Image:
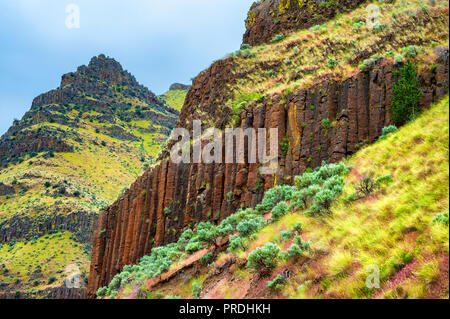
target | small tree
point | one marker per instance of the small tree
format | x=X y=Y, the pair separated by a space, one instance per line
x=406 y=95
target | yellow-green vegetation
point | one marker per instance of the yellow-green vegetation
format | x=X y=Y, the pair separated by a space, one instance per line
x=107 y=145
x=98 y=169
x=174 y=98
x=382 y=234
x=392 y=229
x=343 y=45
x=44 y=262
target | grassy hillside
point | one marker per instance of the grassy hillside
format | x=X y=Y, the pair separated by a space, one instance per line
x=110 y=129
x=323 y=237
x=174 y=98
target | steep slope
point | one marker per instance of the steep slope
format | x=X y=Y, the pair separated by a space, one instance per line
x=327 y=90
x=269 y=18
x=400 y=230
x=70 y=155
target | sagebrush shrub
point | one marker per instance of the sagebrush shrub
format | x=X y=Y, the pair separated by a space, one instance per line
x=247 y=227
x=279 y=211
x=387 y=130
x=294 y=251
x=207 y=233
x=441 y=218
x=263 y=259
x=277 y=283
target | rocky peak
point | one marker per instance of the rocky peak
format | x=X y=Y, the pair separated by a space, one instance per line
x=100 y=68
x=179 y=86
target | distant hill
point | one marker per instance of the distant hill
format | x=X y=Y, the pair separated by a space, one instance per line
x=70 y=155
x=176 y=95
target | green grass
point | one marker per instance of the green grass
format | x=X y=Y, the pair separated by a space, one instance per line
x=98 y=169
x=310 y=51
x=28 y=266
x=174 y=98
x=393 y=228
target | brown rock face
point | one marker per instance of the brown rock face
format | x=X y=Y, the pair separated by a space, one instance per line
x=268 y=18
x=170 y=197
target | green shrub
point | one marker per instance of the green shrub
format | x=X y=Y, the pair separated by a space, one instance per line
x=297 y=201
x=277 y=283
x=441 y=218
x=335 y=184
x=247 y=227
x=294 y=252
x=101 y=292
x=278 y=38
x=332 y=63
x=378 y=27
x=398 y=59
x=193 y=246
x=184 y=238
x=350 y=198
x=365 y=186
x=304 y=245
x=298 y=228
x=386 y=179
x=263 y=259
x=207 y=233
x=285 y=235
x=206 y=258
x=275 y=195
x=387 y=130
x=411 y=51
x=322 y=202
x=279 y=211
x=196 y=289
x=284 y=145
x=236 y=243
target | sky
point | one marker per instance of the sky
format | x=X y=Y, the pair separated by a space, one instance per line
x=158 y=41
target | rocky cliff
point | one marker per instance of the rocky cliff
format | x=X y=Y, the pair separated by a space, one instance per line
x=267 y=18
x=327 y=91
x=357 y=108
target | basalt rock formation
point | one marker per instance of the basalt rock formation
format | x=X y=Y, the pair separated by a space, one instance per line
x=50 y=293
x=169 y=198
x=267 y=18
x=80 y=224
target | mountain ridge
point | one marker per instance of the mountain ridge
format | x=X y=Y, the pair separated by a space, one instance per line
x=69 y=155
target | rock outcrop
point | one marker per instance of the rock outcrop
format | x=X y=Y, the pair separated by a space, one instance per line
x=179 y=86
x=80 y=224
x=169 y=198
x=49 y=293
x=267 y=18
